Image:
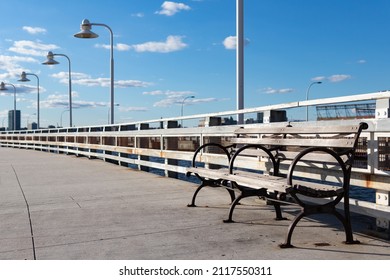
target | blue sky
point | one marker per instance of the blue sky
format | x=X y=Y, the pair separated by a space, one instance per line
x=167 y=50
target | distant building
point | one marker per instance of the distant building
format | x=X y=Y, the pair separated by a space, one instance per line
x=32 y=126
x=11 y=120
x=228 y=121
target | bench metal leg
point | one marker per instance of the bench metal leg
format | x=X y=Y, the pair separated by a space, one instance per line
x=210 y=183
x=278 y=211
x=291 y=228
x=231 y=209
x=347 y=228
x=248 y=193
x=195 y=194
x=329 y=208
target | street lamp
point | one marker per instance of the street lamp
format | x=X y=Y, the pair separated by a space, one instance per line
x=23 y=78
x=86 y=33
x=50 y=61
x=307 y=98
x=182 y=103
x=2 y=87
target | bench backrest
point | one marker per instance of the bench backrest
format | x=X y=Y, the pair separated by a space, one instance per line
x=305 y=136
x=287 y=142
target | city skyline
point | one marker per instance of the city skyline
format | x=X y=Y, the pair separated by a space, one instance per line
x=165 y=51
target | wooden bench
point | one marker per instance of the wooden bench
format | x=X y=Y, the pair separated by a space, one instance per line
x=316 y=160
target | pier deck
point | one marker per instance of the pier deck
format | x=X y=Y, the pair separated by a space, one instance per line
x=89 y=209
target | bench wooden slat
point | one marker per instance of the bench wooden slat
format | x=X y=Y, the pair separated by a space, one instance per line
x=313 y=157
x=213 y=174
x=290 y=155
x=320 y=142
x=344 y=129
x=259 y=181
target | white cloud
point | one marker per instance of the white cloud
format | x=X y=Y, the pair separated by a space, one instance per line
x=155 y=92
x=87 y=80
x=270 y=90
x=11 y=64
x=32 y=48
x=139 y=15
x=64 y=76
x=34 y=30
x=118 y=47
x=62 y=101
x=169 y=8
x=318 y=79
x=172 y=44
x=339 y=78
x=169 y=93
x=333 y=78
x=172 y=97
x=133 y=109
x=102 y=82
x=230 y=42
x=177 y=97
x=361 y=61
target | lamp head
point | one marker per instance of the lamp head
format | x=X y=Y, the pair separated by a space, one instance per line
x=23 y=77
x=85 y=32
x=50 y=59
x=2 y=86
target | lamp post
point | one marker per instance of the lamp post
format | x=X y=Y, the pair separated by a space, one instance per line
x=307 y=98
x=2 y=87
x=50 y=61
x=86 y=33
x=23 y=78
x=182 y=103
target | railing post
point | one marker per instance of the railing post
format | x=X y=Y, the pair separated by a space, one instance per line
x=120 y=142
x=382 y=198
x=212 y=121
x=143 y=143
x=382 y=110
x=274 y=116
x=171 y=143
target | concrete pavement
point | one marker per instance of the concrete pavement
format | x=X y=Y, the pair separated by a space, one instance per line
x=60 y=207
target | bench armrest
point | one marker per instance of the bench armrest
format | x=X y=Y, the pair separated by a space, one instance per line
x=275 y=164
x=223 y=148
x=304 y=189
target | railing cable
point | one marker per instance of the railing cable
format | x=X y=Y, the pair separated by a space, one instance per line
x=28 y=212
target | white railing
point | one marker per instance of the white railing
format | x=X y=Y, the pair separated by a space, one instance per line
x=154 y=145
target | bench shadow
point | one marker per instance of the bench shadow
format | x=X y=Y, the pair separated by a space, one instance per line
x=367 y=252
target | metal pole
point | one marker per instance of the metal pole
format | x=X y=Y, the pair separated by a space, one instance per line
x=307 y=98
x=38 y=116
x=87 y=33
x=182 y=103
x=111 y=68
x=70 y=87
x=14 y=106
x=240 y=58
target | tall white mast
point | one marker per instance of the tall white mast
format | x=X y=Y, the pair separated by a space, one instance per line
x=240 y=58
